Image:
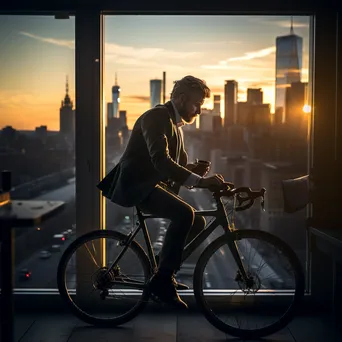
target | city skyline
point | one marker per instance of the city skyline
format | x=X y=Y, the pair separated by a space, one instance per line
x=38 y=53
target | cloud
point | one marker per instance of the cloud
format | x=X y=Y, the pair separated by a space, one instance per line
x=18 y=99
x=216 y=42
x=251 y=55
x=237 y=67
x=297 y=23
x=136 y=98
x=252 y=61
x=60 y=42
x=285 y=23
x=127 y=55
x=262 y=83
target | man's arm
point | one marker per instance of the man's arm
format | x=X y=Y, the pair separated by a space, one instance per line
x=157 y=130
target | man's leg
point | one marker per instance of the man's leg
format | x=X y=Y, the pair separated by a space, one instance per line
x=164 y=204
x=167 y=205
x=197 y=227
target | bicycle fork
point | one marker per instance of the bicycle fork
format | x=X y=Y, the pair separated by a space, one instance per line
x=242 y=274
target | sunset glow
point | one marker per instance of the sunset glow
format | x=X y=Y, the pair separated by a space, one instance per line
x=38 y=53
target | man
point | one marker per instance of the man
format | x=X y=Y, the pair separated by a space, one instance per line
x=155 y=155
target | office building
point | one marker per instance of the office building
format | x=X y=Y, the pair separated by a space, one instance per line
x=155 y=92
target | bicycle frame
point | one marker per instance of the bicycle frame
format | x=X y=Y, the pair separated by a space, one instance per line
x=221 y=218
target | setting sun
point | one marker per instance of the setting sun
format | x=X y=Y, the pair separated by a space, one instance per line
x=306 y=108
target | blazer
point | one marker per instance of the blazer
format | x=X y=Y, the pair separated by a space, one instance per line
x=148 y=159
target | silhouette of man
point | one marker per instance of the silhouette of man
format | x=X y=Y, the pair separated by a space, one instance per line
x=155 y=156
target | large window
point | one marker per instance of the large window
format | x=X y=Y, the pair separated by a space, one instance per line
x=254 y=128
x=37 y=139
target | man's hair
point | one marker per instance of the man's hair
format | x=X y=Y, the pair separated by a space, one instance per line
x=188 y=85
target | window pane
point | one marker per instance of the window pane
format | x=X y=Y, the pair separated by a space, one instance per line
x=253 y=128
x=37 y=121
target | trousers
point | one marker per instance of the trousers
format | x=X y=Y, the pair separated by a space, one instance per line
x=184 y=225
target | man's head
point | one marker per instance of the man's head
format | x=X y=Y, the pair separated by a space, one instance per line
x=188 y=95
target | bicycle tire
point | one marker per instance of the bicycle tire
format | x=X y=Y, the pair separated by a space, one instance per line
x=135 y=247
x=243 y=333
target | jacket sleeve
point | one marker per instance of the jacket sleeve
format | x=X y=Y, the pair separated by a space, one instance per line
x=157 y=130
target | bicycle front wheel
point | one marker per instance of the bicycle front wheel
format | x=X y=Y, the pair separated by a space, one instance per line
x=96 y=294
x=263 y=304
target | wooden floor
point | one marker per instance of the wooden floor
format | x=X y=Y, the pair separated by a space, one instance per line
x=159 y=327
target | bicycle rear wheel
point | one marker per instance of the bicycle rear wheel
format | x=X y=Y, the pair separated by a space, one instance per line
x=95 y=295
x=264 y=305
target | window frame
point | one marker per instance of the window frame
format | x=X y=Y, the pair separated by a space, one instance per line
x=90 y=205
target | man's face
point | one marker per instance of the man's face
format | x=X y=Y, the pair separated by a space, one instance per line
x=190 y=107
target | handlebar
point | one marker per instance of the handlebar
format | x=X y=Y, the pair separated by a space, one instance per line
x=228 y=190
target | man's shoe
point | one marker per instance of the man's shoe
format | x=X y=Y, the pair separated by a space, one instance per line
x=164 y=289
x=178 y=286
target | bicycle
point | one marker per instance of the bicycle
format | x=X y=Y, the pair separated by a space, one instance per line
x=246 y=281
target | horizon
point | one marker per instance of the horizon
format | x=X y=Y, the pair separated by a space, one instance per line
x=38 y=54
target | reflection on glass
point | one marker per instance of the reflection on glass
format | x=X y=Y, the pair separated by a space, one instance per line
x=250 y=63
x=37 y=136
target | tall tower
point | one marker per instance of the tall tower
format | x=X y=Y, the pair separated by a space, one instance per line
x=67 y=115
x=230 y=103
x=155 y=92
x=115 y=99
x=289 y=55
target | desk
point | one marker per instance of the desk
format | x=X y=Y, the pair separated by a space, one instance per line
x=17 y=214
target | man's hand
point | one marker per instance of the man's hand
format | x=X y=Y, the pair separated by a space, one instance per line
x=198 y=169
x=211 y=182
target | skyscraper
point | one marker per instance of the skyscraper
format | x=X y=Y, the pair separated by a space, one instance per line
x=217 y=105
x=230 y=103
x=289 y=50
x=115 y=99
x=67 y=116
x=155 y=92
x=123 y=118
x=296 y=98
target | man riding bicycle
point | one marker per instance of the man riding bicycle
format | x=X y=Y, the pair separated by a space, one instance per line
x=150 y=172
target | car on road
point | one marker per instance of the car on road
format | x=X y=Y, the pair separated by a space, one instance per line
x=44 y=255
x=66 y=234
x=25 y=274
x=59 y=237
x=55 y=248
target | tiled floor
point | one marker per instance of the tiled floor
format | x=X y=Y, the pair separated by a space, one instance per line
x=159 y=327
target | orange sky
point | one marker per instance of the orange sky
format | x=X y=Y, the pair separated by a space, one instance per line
x=38 y=52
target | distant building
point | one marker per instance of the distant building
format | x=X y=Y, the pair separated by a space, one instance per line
x=217 y=124
x=255 y=96
x=216 y=161
x=296 y=97
x=217 y=105
x=67 y=117
x=109 y=111
x=289 y=55
x=230 y=103
x=115 y=99
x=253 y=115
x=155 y=92
x=41 y=133
x=123 y=118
